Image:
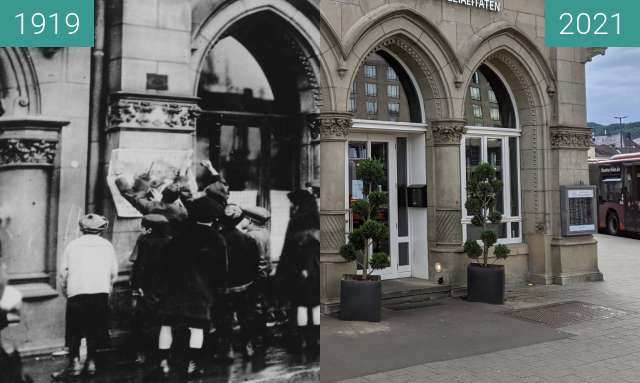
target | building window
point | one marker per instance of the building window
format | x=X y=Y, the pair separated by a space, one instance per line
x=499 y=148
x=371 y=90
x=476 y=78
x=372 y=107
x=495 y=114
x=475 y=93
x=393 y=91
x=492 y=97
x=394 y=108
x=378 y=80
x=370 y=71
x=477 y=111
x=391 y=74
x=351 y=107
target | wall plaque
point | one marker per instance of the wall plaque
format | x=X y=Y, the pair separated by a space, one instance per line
x=578 y=210
x=157 y=81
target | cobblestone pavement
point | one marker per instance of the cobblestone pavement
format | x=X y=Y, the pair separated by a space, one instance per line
x=602 y=350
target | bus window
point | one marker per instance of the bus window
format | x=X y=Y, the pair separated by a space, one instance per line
x=612 y=190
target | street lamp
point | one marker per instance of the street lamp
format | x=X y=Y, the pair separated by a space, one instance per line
x=621 y=130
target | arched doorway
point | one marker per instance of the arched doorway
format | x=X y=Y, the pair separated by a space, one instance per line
x=389 y=126
x=258 y=93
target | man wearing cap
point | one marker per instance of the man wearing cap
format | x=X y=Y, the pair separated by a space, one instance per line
x=88 y=270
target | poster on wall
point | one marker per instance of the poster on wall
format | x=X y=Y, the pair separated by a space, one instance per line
x=130 y=168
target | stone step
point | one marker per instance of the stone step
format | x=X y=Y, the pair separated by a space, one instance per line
x=411 y=292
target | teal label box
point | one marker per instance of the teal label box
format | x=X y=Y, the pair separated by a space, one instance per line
x=592 y=23
x=46 y=23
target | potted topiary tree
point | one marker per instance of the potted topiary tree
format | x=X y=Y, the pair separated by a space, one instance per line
x=485 y=281
x=360 y=294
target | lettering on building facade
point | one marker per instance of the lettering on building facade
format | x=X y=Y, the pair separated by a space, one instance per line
x=488 y=5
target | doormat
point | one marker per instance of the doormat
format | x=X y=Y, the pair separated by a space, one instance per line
x=565 y=313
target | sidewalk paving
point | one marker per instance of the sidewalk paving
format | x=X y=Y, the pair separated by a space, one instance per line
x=600 y=350
x=273 y=365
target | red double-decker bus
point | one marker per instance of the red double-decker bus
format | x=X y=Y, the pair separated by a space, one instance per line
x=618 y=183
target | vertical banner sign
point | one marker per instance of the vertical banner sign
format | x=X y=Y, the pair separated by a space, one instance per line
x=592 y=23
x=46 y=23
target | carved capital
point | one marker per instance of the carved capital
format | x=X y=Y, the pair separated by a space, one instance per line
x=448 y=132
x=27 y=152
x=332 y=126
x=590 y=53
x=131 y=111
x=567 y=137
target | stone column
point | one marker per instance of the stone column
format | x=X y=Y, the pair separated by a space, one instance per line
x=446 y=215
x=333 y=129
x=572 y=258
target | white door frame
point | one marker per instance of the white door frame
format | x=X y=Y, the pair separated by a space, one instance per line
x=394 y=271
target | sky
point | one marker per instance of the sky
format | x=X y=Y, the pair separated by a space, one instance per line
x=613 y=86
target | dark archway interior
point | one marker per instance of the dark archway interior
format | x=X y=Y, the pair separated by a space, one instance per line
x=256 y=137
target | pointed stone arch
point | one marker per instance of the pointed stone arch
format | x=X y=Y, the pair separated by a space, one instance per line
x=302 y=37
x=528 y=75
x=19 y=88
x=426 y=57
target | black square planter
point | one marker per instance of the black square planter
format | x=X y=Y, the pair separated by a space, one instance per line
x=485 y=284
x=359 y=299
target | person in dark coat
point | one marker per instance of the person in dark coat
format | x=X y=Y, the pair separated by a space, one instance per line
x=298 y=273
x=190 y=276
x=149 y=260
x=255 y=226
x=235 y=278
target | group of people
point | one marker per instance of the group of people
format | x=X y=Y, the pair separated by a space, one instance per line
x=202 y=264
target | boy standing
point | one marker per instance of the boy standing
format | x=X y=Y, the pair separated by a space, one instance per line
x=87 y=273
x=147 y=279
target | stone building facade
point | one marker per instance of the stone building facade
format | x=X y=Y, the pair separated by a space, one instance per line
x=166 y=82
x=540 y=143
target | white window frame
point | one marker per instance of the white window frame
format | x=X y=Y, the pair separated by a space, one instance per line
x=396 y=112
x=485 y=133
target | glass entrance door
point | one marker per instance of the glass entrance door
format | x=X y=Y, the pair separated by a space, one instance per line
x=392 y=152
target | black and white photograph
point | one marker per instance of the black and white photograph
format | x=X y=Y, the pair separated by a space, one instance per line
x=159 y=197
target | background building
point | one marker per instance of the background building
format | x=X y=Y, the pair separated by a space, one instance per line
x=479 y=85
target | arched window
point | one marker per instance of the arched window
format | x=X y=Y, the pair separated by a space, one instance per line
x=493 y=136
x=383 y=91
